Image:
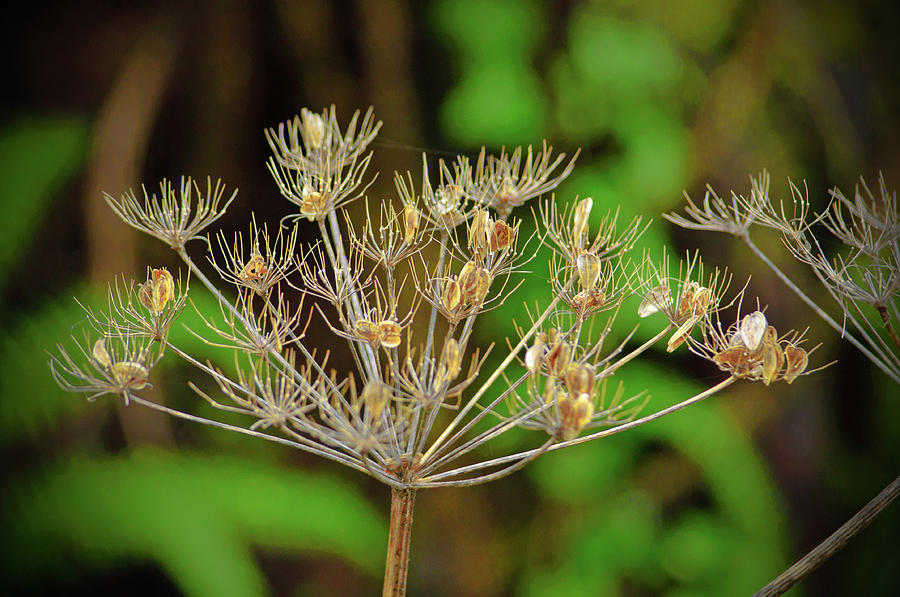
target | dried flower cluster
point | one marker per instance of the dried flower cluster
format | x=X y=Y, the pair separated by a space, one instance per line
x=404 y=289
x=864 y=273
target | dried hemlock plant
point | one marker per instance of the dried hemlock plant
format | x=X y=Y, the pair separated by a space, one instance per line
x=404 y=290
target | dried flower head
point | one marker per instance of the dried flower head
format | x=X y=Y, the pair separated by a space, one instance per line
x=173 y=220
x=504 y=183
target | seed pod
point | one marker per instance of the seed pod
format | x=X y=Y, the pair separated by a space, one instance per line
x=733 y=360
x=255 y=269
x=770 y=362
x=367 y=331
x=130 y=375
x=588 y=266
x=483 y=282
x=753 y=327
x=581 y=218
x=558 y=358
x=534 y=357
x=700 y=301
x=446 y=208
x=681 y=334
x=375 y=397
x=686 y=299
x=796 y=360
x=313 y=204
x=657 y=299
x=502 y=236
x=389 y=333
x=468 y=279
x=101 y=355
x=574 y=415
x=451 y=358
x=410 y=223
x=579 y=379
x=157 y=291
x=314 y=126
x=452 y=295
x=479 y=232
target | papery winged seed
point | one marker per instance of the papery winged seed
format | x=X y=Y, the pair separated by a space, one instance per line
x=681 y=334
x=732 y=359
x=579 y=379
x=769 y=363
x=581 y=217
x=796 y=361
x=657 y=299
x=534 y=356
x=588 y=266
x=501 y=236
x=101 y=355
x=753 y=327
x=130 y=375
x=410 y=223
x=451 y=358
x=389 y=333
x=375 y=396
x=452 y=295
x=368 y=331
x=479 y=231
x=558 y=358
x=575 y=414
x=255 y=269
x=700 y=301
x=483 y=282
x=314 y=125
x=468 y=279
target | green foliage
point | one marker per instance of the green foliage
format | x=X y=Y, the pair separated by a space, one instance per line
x=496 y=43
x=36 y=158
x=195 y=515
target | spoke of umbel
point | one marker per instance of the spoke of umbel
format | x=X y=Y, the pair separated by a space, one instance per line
x=832 y=544
x=397 y=564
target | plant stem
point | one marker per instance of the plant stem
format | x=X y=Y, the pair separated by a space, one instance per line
x=397 y=564
x=832 y=544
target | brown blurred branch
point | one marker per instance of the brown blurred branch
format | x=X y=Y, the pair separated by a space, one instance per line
x=121 y=135
x=834 y=543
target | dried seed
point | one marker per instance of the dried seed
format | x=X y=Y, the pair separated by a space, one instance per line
x=656 y=300
x=314 y=127
x=452 y=295
x=574 y=414
x=501 y=236
x=255 y=269
x=375 y=397
x=130 y=375
x=390 y=333
x=101 y=355
x=368 y=331
x=796 y=361
x=451 y=358
x=753 y=327
x=588 y=266
x=579 y=379
x=410 y=223
x=581 y=218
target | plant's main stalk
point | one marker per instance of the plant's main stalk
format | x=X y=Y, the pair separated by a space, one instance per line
x=397 y=564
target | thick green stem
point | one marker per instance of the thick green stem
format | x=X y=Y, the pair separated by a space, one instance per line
x=397 y=564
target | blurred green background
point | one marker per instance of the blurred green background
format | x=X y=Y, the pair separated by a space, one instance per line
x=661 y=97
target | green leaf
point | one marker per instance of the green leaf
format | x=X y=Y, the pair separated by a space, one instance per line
x=36 y=158
x=30 y=400
x=197 y=516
